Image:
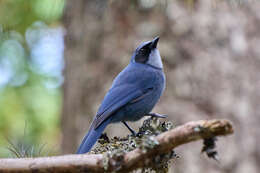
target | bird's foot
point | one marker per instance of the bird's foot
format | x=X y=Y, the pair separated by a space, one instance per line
x=157 y=115
x=130 y=129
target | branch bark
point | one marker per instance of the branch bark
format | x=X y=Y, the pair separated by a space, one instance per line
x=137 y=158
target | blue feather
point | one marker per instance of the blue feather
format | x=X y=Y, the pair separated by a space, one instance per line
x=91 y=137
x=134 y=93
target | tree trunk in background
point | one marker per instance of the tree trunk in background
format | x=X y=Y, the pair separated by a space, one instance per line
x=211 y=60
x=83 y=21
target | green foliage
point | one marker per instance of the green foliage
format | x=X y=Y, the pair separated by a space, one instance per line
x=24 y=97
x=48 y=10
x=19 y=14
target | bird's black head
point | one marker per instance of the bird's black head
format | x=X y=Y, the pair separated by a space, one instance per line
x=147 y=53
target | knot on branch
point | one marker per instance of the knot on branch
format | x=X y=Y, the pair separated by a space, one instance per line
x=129 y=153
x=209 y=128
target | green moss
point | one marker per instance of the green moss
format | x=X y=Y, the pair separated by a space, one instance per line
x=145 y=140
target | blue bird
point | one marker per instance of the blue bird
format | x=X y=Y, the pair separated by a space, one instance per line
x=133 y=94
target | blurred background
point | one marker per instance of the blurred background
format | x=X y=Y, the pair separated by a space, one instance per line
x=58 y=59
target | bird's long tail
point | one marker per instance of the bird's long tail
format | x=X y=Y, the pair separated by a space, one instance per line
x=91 y=137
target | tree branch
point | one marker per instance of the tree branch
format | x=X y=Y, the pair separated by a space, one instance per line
x=137 y=158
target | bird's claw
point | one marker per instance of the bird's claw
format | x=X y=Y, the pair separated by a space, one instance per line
x=130 y=129
x=157 y=115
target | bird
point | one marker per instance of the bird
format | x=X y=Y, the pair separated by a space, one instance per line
x=133 y=94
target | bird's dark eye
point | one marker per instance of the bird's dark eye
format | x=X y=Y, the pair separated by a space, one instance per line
x=142 y=55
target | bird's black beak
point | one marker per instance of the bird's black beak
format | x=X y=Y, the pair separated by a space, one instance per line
x=154 y=42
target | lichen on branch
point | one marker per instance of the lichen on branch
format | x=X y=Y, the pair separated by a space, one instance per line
x=143 y=156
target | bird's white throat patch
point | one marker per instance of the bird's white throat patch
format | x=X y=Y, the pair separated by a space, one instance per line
x=155 y=59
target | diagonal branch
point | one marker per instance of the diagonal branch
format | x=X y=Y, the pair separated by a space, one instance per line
x=137 y=158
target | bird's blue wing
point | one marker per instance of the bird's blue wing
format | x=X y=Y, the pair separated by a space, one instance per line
x=132 y=83
x=114 y=100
